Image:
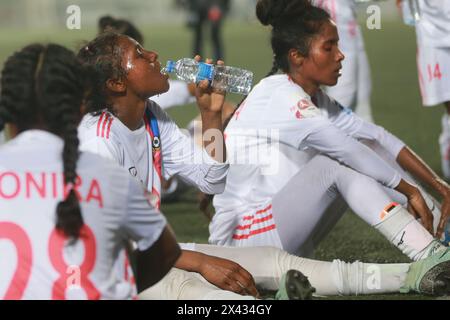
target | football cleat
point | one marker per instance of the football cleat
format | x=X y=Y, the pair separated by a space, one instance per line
x=294 y=285
x=430 y=276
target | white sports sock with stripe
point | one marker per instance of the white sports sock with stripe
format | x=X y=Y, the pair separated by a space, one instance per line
x=407 y=234
x=268 y=264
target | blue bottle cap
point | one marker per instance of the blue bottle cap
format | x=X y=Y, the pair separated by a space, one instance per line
x=170 y=66
x=205 y=72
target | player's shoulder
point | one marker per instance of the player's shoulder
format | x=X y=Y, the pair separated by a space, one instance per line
x=156 y=110
x=104 y=168
x=102 y=124
x=284 y=85
x=165 y=123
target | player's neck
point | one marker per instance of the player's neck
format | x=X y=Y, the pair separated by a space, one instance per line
x=310 y=87
x=129 y=111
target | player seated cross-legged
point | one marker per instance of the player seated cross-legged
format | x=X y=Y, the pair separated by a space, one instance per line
x=288 y=189
x=65 y=215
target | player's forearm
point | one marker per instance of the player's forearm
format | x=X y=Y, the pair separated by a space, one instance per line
x=213 y=141
x=189 y=261
x=412 y=163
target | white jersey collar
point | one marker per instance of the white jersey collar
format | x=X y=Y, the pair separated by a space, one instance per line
x=38 y=136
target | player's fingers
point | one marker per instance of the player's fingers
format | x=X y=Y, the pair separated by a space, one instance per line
x=412 y=211
x=204 y=84
x=427 y=222
x=235 y=286
x=441 y=226
x=247 y=283
x=247 y=276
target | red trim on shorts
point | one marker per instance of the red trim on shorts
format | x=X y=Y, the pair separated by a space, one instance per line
x=255 y=221
x=254 y=232
x=258 y=212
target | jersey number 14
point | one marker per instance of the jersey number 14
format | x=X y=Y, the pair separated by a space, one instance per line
x=436 y=74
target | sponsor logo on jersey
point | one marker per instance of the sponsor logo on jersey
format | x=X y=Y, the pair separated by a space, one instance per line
x=304 y=109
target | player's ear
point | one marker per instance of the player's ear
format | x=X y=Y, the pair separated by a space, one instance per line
x=116 y=85
x=295 y=58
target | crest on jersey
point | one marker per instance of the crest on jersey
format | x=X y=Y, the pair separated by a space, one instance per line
x=304 y=109
x=133 y=171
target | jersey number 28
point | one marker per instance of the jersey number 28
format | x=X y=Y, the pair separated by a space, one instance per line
x=21 y=241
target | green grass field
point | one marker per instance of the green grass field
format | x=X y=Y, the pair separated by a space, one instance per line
x=395 y=102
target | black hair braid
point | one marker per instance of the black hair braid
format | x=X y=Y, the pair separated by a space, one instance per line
x=294 y=22
x=17 y=95
x=103 y=56
x=65 y=114
x=45 y=85
x=68 y=211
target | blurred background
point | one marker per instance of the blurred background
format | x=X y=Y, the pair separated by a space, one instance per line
x=396 y=100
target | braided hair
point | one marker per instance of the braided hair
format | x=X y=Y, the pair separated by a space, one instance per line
x=294 y=25
x=42 y=86
x=104 y=56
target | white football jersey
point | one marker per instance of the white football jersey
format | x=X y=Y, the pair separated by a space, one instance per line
x=433 y=27
x=277 y=130
x=107 y=136
x=35 y=260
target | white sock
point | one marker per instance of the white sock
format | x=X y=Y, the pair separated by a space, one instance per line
x=341 y=278
x=407 y=234
x=368 y=278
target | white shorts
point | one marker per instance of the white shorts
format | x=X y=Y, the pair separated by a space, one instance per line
x=433 y=66
x=256 y=227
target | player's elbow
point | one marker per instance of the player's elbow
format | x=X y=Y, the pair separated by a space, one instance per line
x=154 y=263
x=214 y=182
x=216 y=187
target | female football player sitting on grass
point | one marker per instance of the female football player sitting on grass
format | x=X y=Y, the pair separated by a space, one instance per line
x=296 y=162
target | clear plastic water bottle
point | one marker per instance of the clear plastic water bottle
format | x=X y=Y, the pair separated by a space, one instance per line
x=230 y=79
